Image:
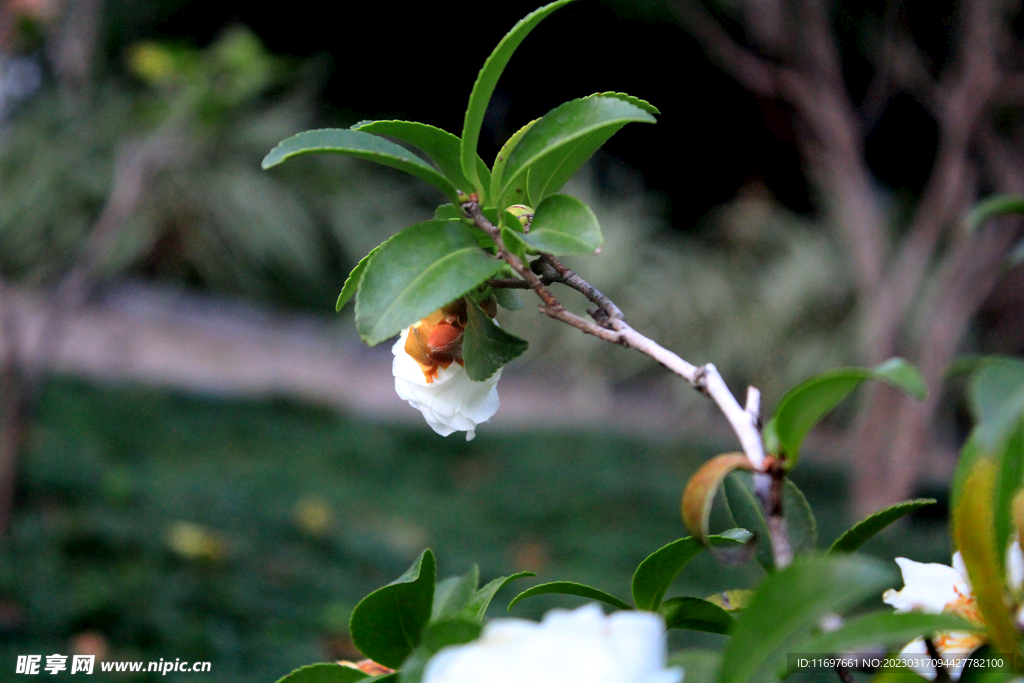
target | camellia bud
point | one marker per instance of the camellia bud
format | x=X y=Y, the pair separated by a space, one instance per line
x=524 y=213
x=445 y=343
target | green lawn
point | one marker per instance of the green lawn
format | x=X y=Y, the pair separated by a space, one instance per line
x=243 y=532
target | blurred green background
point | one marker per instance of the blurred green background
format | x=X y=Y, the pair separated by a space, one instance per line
x=207 y=465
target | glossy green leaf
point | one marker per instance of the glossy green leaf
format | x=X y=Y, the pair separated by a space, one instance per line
x=563 y=225
x=655 y=574
x=440 y=634
x=549 y=174
x=800 y=521
x=746 y=512
x=564 y=128
x=514 y=194
x=805 y=404
x=387 y=624
x=452 y=595
x=514 y=244
x=864 y=530
x=416 y=272
x=487 y=79
x=324 y=673
x=1000 y=205
x=694 y=614
x=362 y=145
x=570 y=588
x=351 y=286
x=643 y=104
x=789 y=604
x=486 y=347
x=974 y=535
x=442 y=147
x=699 y=666
x=887 y=628
x=481 y=600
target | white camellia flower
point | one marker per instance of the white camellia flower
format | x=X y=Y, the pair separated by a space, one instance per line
x=936 y=588
x=452 y=402
x=579 y=646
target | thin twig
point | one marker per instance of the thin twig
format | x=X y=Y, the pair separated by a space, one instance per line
x=570 y=278
x=515 y=283
x=705 y=379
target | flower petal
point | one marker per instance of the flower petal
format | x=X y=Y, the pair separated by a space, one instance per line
x=927 y=587
x=579 y=646
x=452 y=402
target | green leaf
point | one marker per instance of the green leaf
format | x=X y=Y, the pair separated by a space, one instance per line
x=487 y=79
x=699 y=666
x=481 y=600
x=324 y=673
x=694 y=614
x=362 y=145
x=643 y=104
x=387 y=624
x=448 y=212
x=805 y=404
x=996 y=395
x=351 y=286
x=442 y=147
x=450 y=631
x=416 y=272
x=512 y=242
x=549 y=174
x=563 y=225
x=861 y=532
x=790 y=603
x=485 y=346
x=569 y=588
x=452 y=595
x=508 y=299
x=562 y=130
x=887 y=628
x=655 y=574
x=745 y=510
x=974 y=535
x=1000 y=205
x=515 y=194
x=1008 y=483
x=800 y=522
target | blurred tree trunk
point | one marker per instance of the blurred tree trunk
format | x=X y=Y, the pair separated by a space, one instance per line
x=917 y=291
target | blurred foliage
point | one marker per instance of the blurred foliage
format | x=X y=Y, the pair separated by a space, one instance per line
x=243 y=533
x=209 y=216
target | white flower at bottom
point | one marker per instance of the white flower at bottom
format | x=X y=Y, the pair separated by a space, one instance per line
x=936 y=588
x=581 y=646
x=452 y=402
